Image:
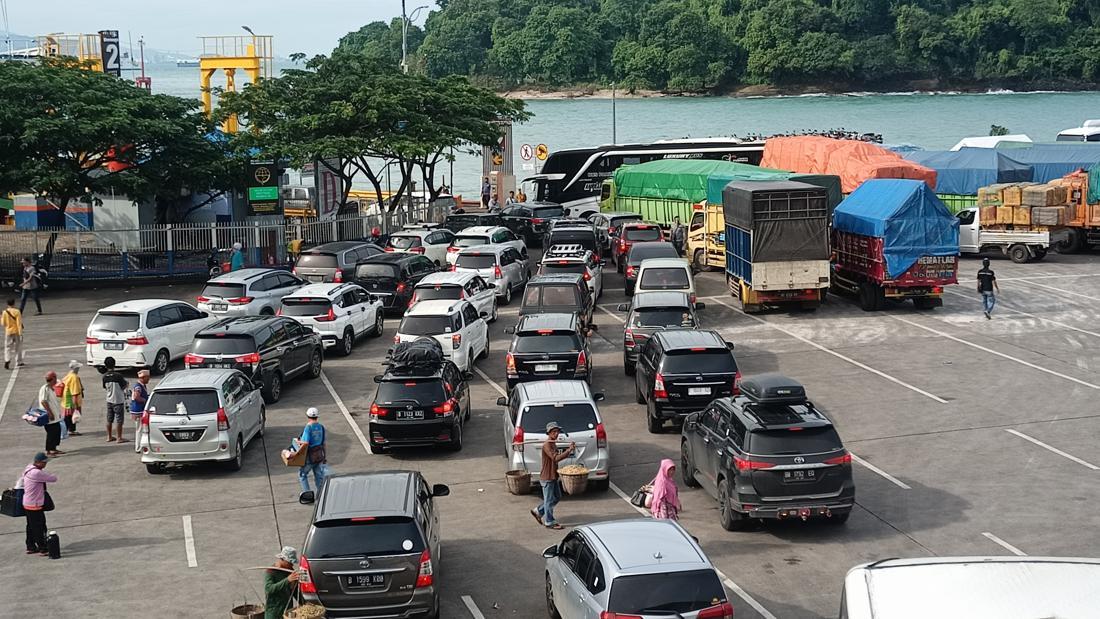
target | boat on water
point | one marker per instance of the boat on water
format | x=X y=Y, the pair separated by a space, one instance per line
x=187 y=63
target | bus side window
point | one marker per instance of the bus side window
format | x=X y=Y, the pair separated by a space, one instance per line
x=696 y=221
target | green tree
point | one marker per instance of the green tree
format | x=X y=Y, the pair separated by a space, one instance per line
x=381 y=42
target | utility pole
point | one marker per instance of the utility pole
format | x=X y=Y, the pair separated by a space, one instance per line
x=404 y=39
x=614 y=123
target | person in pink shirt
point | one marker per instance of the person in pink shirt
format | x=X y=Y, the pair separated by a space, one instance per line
x=33 y=482
x=665 y=501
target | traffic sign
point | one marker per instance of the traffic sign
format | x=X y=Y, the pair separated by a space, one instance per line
x=498 y=159
x=525 y=152
x=541 y=151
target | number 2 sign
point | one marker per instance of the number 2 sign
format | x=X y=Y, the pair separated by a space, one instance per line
x=108 y=47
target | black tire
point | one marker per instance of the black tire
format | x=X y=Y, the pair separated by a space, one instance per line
x=838 y=519
x=638 y=396
x=628 y=367
x=267 y=311
x=653 y=423
x=1019 y=254
x=485 y=353
x=160 y=363
x=154 y=468
x=237 y=463
x=870 y=297
x=456 y=438
x=730 y=519
x=379 y=324
x=347 y=342
x=315 y=364
x=687 y=469
x=507 y=298
x=263 y=421
x=600 y=485
x=699 y=261
x=550 y=608
x=1040 y=253
x=273 y=388
x=924 y=303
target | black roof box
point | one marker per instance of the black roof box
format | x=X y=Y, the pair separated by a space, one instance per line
x=422 y=355
x=773 y=389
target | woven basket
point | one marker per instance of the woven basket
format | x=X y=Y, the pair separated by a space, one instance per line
x=519 y=482
x=574 y=484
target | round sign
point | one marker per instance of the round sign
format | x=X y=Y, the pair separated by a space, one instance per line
x=541 y=151
x=263 y=175
x=526 y=152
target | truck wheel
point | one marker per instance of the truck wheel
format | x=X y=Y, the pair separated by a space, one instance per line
x=1040 y=253
x=1069 y=241
x=924 y=303
x=699 y=258
x=870 y=297
x=1019 y=254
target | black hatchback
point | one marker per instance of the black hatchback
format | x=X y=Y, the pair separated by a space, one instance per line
x=679 y=372
x=548 y=346
x=392 y=276
x=768 y=454
x=270 y=350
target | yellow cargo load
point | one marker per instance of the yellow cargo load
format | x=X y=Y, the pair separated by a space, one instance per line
x=1021 y=215
x=1004 y=215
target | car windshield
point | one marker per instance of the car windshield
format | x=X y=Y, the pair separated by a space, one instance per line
x=470 y=241
x=708 y=361
x=665 y=278
x=544 y=212
x=662 y=317
x=197 y=401
x=435 y=292
x=584 y=238
x=223 y=345
x=618 y=221
x=547 y=342
x=410 y=390
x=644 y=251
x=305 y=307
x=785 y=442
x=223 y=291
x=578 y=417
x=559 y=295
x=364 y=538
x=426 y=325
x=317 y=261
x=116 y=321
x=651 y=233
x=554 y=267
x=404 y=241
x=376 y=271
x=665 y=593
x=475 y=261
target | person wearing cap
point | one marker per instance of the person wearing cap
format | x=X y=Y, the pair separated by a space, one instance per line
x=48 y=401
x=987 y=286
x=548 y=476
x=72 y=397
x=115 y=386
x=236 y=258
x=313 y=439
x=279 y=583
x=33 y=482
x=139 y=397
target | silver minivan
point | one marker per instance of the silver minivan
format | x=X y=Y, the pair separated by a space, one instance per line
x=200 y=415
x=333 y=262
x=500 y=265
x=572 y=405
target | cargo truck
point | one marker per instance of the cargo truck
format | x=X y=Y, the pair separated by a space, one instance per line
x=1020 y=243
x=777 y=243
x=893 y=239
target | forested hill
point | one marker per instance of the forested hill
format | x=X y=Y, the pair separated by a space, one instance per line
x=719 y=45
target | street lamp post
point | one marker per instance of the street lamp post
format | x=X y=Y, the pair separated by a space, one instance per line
x=405 y=19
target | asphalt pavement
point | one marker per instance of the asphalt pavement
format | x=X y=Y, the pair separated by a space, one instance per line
x=971 y=437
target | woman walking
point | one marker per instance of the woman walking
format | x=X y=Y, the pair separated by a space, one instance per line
x=36 y=503
x=72 y=397
x=49 y=402
x=665 y=500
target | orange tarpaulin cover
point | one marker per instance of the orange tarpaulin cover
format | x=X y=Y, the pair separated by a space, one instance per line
x=854 y=162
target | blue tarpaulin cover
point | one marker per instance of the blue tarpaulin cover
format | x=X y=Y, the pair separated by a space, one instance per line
x=963 y=172
x=906 y=214
x=1051 y=161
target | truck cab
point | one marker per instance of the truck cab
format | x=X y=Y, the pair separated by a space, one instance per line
x=706 y=237
x=1020 y=243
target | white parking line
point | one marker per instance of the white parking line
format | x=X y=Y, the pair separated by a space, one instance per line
x=1000 y=304
x=501 y=390
x=189 y=542
x=7 y=391
x=54 y=348
x=475 y=612
x=1003 y=544
x=1087 y=465
x=1069 y=292
x=994 y=352
x=1031 y=277
x=863 y=366
x=874 y=469
x=614 y=314
x=346 y=413
x=726 y=580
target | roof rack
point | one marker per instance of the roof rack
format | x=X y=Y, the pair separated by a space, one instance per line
x=566 y=250
x=773 y=388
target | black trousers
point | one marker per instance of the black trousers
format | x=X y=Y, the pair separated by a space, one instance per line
x=70 y=424
x=29 y=292
x=36 y=530
x=53 y=436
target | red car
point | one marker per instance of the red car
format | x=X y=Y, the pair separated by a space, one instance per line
x=634 y=232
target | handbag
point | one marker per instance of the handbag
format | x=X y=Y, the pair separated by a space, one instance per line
x=11 y=503
x=641 y=496
x=47 y=505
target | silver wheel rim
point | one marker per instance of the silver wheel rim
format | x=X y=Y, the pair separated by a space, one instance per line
x=315 y=364
x=162 y=362
x=348 y=343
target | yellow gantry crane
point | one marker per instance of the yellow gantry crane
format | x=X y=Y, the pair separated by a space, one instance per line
x=250 y=53
x=84 y=47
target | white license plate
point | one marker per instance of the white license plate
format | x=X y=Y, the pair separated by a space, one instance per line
x=219 y=307
x=402 y=415
x=698 y=390
x=546 y=367
x=112 y=345
x=221 y=366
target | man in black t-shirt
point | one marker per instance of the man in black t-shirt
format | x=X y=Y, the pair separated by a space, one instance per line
x=987 y=285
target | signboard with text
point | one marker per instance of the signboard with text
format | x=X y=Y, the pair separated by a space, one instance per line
x=110 y=52
x=263 y=187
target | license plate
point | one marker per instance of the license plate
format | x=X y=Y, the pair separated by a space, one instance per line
x=112 y=345
x=364 y=581
x=318 y=279
x=219 y=307
x=546 y=367
x=220 y=366
x=698 y=390
x=797 y=476
x=185 y=436
x=410 y=415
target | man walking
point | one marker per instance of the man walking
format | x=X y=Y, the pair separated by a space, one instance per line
x=13 y=335
x=138 y=399
x=48 y=401
x=486 y=192
x=313 y=439
x=548 y=476
x=279 y=582
x=987 y=286
x=677 y=233
x=33 y=481
x=115 y=386
x=30 y=286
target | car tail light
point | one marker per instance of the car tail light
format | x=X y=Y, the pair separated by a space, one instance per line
x=400 y=287
x=845 y=459
x=582 y=360
x=397 y=339
x=239 y=301
x=722 y=611
x=748 y=464
x=141 y=340
x=446 y=409
x=601 y=436
x=937 y=290
x=145 y=422
x=517 y=439
x=628 y=336
x=456 y=341
x=191 y=358
x=91 y=340
x=223 y=420
x=416 y=250
x=413 y=299
x=305 y=581
x=378 y=411
x=537 y=220
x=390 y=249
x=252 y=357
x=659 y=386
x=329 y=317
x=511 y=365
x=294 y=270
x=424 y=577
x=604 y=614
x=452 y=249
x=736 y=388
x=630 y=270
x=202 y=299
x=691 y=297
x=339 y=277
x=587 y=276
x=497 y=273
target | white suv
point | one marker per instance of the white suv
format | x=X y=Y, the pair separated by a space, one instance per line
x=484 y=235
x=340 y=313
x=666 y=274
x=574 y=259
x=456 y=325
x=146 y=333
x=248 y=292
x=454 y=286
x=431 y=243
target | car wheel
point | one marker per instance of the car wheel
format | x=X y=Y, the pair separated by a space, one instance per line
x=638 y=397
x=485 y=353
x=160 y=363
x=378 y=324
x=493 y=317
x=154 y=468
x=600 y=485
x=238 y=459
x=263 y=421
x=628 y=368
x=687 y=469
x=653 y=423
x=315 y=364
x=731 y=520
x=550 y=608
x=267 y=311
x=273 y=390
x=347 y=343
x=456 y=438
x=507 y=294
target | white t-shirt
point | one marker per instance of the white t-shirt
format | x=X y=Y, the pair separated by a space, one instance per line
x=48 y=395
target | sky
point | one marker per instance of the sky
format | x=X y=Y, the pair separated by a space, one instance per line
x=308 y=26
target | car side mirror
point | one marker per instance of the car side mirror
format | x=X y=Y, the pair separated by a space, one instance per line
x=700 y=305
x=510 y=330
x=468 y=375
x=598 y=396
x=502 y=401
x=623 y=307
x=689 y=423
x=440 y=490
x=205 y=314
x=550 y=552
x=484 y=314
x=377 y=378
x=729 y=345
x=491 y=285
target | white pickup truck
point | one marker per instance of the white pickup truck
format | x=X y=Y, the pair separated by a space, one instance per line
x=1021 y=243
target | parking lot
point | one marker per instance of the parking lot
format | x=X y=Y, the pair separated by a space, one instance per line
x=970 y=437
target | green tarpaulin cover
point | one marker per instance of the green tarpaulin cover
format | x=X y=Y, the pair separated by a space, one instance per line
x=683 y=179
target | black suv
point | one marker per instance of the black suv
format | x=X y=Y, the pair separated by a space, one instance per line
x=652 y=311
x=392 y=276
x=529 y=220
x=768 y=454
x=270 y=350
x=460 y=220
x=556 y=294
x=425 y=402
x=680 y=371
x=372 y=548
x=548 y=346
x=639 y=252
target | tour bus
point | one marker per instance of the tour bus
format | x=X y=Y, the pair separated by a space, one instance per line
x=573 y=177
